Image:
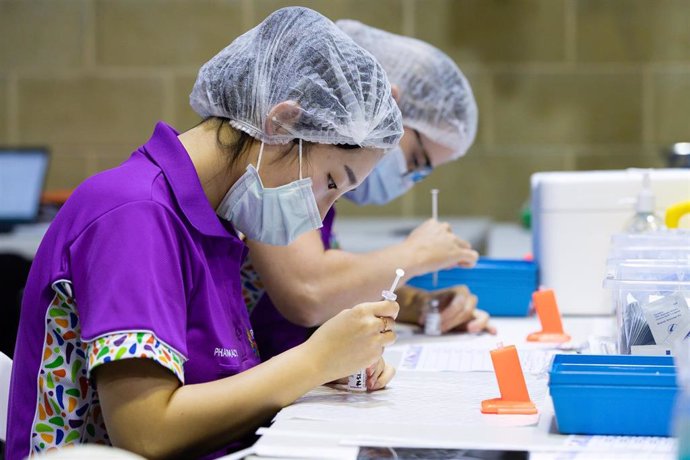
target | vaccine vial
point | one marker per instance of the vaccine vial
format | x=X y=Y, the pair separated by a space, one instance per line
x=357 y=381
x=432 y=323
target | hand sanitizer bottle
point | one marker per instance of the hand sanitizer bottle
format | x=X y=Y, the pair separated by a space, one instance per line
x=645 y=220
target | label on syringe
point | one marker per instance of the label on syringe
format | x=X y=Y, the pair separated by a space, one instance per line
x=357 y=381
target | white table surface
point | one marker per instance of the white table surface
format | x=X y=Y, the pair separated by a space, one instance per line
x=303 y=438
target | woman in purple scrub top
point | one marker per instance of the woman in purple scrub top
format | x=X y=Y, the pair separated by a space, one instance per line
x=440 y=122
x=143 y=260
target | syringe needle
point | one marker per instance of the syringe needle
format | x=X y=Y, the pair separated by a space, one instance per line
x=434 y=215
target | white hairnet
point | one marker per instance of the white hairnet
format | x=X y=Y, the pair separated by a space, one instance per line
x=435 y=97
x=298 y=55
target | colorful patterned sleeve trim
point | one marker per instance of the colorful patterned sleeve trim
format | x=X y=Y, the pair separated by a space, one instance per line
x=252 y=286
x=128 y=345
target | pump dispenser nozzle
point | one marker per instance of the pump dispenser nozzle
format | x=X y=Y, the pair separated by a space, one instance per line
x=645 y=199
x=645 y=220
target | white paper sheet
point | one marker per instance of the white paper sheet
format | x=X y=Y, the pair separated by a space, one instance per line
x=613 y=448
x=460 y=357
x=432 y=398
x=600 y=456
x=618 y=443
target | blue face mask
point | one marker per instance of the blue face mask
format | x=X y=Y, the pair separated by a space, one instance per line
x=387 y=181
x=271 y=215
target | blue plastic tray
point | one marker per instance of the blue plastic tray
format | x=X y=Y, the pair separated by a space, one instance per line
x=504 y=287
x=613 y=394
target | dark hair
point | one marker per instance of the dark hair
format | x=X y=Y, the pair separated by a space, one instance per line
x=235 y=149
x=348 y=146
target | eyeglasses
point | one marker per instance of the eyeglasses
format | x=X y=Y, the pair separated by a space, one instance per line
x=420 y=172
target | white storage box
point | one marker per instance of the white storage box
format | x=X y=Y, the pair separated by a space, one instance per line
x=574 y=215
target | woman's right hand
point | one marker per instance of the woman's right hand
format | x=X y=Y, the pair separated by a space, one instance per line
x=437 y=247
x=353 y=339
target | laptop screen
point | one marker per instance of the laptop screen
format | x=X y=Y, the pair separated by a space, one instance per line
x=22 y=175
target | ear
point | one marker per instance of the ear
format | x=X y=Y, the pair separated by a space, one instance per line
x=395 y=92
x=282 y=117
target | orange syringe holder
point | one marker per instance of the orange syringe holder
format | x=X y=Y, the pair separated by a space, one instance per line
x=511 y=383
x=544 y=302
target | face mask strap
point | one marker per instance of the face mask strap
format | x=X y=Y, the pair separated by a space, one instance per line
x=261 y=152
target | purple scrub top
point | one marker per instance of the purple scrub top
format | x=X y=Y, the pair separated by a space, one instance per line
x=274 y=334
x=135 y=265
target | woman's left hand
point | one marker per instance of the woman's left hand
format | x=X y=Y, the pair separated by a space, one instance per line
x=459 y=311
x=378 y=375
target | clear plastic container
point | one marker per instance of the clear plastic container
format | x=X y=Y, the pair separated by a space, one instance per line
x=613 y=264
x=630 y=299
x=677 y=237
x=650 y=252
x=650 y=270
x=644 y=290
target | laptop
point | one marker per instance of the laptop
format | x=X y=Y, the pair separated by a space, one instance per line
x=23 y=173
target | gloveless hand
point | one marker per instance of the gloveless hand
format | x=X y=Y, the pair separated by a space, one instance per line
x=437 y=247
x=459 y=311
x=353 y=339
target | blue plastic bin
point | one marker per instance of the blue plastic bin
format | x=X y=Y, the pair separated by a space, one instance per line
x=613 y=394
x=504 y=287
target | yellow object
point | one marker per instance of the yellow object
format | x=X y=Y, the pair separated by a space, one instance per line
x=675 y=212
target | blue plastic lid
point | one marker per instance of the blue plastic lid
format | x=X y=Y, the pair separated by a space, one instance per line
x=491 y=269
x=513 y=265
x=619 y=370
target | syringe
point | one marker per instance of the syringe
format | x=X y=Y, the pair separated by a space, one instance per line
x=434 y=215
x=358 y=380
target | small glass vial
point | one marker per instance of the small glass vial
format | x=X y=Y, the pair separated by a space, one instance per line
x=432 y=323
x=357 y=381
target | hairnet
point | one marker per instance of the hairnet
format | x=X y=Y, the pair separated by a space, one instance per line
x=340 y=90
x=435 y=97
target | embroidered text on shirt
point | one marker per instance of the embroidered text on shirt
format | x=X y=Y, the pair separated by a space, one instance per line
x=225 y=352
